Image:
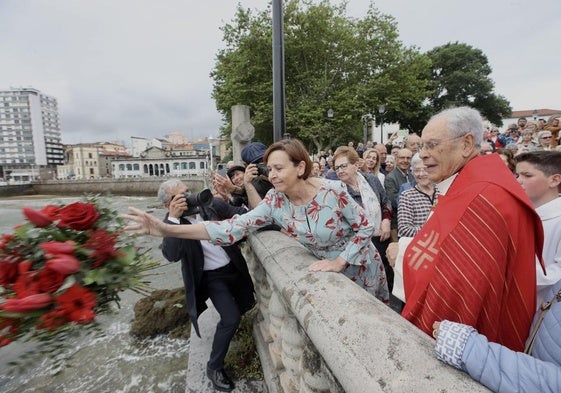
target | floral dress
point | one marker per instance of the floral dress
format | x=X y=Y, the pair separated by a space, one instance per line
x=332 y=224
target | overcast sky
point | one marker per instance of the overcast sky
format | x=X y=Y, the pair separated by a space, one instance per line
x=122 y=68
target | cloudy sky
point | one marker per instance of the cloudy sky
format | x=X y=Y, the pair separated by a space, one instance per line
x=122 y=68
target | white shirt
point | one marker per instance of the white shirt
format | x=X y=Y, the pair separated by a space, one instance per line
x=215 y=256
x=550 y=214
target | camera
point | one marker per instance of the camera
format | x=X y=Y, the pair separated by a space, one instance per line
x=262 y=169
x=203 y=198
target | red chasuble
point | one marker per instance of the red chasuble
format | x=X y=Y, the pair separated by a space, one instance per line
x=473 y=261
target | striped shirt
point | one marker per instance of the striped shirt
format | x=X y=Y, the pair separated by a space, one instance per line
x=413 y=210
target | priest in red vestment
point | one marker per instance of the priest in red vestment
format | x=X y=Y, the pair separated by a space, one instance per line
x=473 y=261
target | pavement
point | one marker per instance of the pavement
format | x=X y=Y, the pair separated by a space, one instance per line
x=199 y=351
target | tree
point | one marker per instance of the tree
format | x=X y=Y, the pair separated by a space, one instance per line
x=460 y=76
x=332 y=61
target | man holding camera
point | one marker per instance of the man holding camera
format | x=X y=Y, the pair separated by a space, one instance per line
x=209 y=271
x=256 y=178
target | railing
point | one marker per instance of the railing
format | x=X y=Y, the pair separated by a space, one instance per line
x=319 y=332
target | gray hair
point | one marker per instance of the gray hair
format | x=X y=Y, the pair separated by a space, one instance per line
x=165 y=187
x=463 y=120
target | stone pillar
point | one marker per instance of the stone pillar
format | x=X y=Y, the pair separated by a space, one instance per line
x=242 y=130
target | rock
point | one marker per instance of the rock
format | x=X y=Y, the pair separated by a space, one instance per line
x=162 y=312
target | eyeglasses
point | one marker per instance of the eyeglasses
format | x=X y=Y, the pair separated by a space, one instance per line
x=342 y=166
x=419 y=171
x=546 y=137
x=431 y=145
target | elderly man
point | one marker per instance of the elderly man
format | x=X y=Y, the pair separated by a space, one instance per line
x=413 y=142
x=209 y=271
x=473 y=261
x=395 y=179
x=383 y=152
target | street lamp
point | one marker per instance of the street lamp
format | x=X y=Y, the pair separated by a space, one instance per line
x=210 y=151
x=382 y=111
x=535 y=114
x=366 y=119
x=330 y=114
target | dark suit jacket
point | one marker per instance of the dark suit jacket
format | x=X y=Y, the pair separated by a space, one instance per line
x=190 y=253
x=392 y=183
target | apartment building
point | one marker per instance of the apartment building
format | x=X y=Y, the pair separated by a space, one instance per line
x=30 y=135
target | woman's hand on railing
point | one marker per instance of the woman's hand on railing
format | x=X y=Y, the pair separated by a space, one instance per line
x=328 y=265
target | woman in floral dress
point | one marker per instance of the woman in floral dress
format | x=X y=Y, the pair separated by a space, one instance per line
x=319 y=213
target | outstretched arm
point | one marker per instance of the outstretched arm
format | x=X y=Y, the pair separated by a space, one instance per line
x=147 y=224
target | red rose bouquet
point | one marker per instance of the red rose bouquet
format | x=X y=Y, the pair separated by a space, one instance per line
x=63 y=267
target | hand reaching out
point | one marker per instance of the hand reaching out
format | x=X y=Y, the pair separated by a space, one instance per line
x=146 y=223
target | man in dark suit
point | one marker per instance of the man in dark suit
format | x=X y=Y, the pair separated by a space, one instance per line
x=395 y=179
x=209 y=271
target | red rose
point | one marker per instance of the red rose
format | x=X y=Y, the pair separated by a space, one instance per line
x=49 y=280
x=32 y=302
x=63 y=264
x=37 y=218
x=54 y=248
x=78 y=215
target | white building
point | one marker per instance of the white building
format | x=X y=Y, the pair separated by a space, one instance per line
x=29 y=128
x=161 y=163
x=531 y=115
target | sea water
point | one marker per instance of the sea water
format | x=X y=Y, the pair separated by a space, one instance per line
x=113 y=361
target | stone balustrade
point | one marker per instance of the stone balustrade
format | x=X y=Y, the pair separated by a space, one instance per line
x=319 y=332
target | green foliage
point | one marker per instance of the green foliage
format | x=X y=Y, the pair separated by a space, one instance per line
x=349 y=65
x=331 y=61
x=460 y=76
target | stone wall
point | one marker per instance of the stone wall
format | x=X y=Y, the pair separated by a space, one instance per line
x=319 y=332
x=136 y=187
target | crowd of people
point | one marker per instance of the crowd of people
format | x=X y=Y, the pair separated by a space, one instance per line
x=460 y=229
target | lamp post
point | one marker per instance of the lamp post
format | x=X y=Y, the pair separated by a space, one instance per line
x=210 y=152
x=366 y=119
x=330 y=119
x=535 y=114
x=382 y=111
